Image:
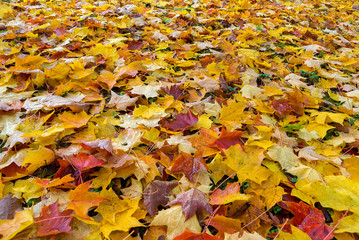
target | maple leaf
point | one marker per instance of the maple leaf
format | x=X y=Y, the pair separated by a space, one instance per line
x=57 y=182
x=202 y=142
x=253 y=214
x=74 y=120
x=176 y=222
x=10 y=228
x=51 y=221
x=156 y=194
x=174 y=91
x=188 y=235
x=83 y=161
x=297 y=234
x=9 y=205
x=225 y=224
x=117 y=213
x=282 y=107
x=183 y=120
x=232 y=114
x=192 y=201
x=81 y=200
x=308 y=219
x=189 y=165
x=339 y=192
x=105 y=144
x=84 y=104
x=121 y=102
x=227 y=139
x=229 y=194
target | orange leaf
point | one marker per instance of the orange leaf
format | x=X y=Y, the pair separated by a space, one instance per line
x=51 y=221
x=202 y=142
x=189 y=165
x=229 y=194
x=224 y=224
x=74 y=120
x=57 y=182
x=82 y=200
x=188 y=235
x=227 y=139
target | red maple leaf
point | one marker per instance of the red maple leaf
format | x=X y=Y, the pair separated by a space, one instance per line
x=183 y=120
x=134 y=45
x=282 y=107
x=295 y=103
x=189 y=165
x=192 y=201
x=65 y=168
x=219 y=196
x=156 y=194
x=83 y=161
x=174 y=91
x=308 y=219
x=227 y=139
x=51 y=221
x=187 y=235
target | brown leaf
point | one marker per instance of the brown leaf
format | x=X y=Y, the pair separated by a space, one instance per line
x=121 y=102
x=156 y=194
x=8 y=206
x=192 y=201
x=183 y=120
x=189 y=165
x=51 y=221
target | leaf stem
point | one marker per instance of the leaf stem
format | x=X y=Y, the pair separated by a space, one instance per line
x=210 y=219
x=281 y=229
x=336 y=225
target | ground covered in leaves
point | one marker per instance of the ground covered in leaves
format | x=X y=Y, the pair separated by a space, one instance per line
x=179 y=120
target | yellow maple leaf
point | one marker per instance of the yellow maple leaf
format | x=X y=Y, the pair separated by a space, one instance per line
x=148 y=111
x=338 y=192
x=123 y=220
x=38 y=158
x=349 y=224
x=27 y=189
x=5 y=11
x=74 y=120
x=231 y=116
x=9 y=228
x=108 y=209
x=297 y=234
x=81 y=200
x=284 y=155
x=176 y=222
x=237 y=157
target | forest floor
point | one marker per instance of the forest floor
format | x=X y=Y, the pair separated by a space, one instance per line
x=204 y=120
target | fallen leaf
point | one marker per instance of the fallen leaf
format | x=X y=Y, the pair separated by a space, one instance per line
x=229 y=194
x=176 y=222
x=156 y=194
x=121 y=102
x=9 y=205
x=227 y=139
x=308 y=219
x=192 y=201
x=84 y=162
x=81 y=200
x=183 y=120
x=74 y=120
x=187 y=235
x=51 y=221
x=189 y=165
x=22 y=220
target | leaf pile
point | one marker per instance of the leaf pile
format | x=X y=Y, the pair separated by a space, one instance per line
x=177 y=120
